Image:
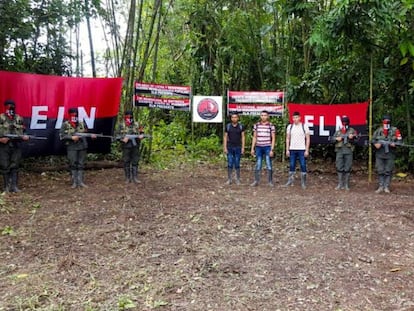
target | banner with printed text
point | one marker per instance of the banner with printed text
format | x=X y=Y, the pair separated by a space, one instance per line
x=163 y=96
x=43 y=102
x=324 y=120
x=252 y=103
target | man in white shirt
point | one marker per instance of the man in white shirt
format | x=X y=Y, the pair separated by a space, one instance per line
x=297 y=147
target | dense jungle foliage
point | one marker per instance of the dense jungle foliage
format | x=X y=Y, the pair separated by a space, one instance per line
x=318 y=51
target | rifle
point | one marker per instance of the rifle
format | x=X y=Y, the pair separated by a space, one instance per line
x=345 y=138
x=386 y=144
x=132 y=137
x=20 y=137
x=90 y=135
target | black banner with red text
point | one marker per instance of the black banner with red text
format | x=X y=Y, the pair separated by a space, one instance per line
x=43 y=102
x=324 y=120
x=163 y=96
x=253 y=102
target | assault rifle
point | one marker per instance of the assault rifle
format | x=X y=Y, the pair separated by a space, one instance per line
x=133 y=137
x=20 y=137
x=345 y=138
x=91 y=135
x=386 y=144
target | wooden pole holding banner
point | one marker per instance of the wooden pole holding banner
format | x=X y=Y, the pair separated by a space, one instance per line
x=192 y=135
x=371 y=78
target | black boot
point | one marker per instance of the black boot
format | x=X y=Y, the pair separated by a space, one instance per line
x=387 y=182
x=127 y=174
x=290 y=179
x=270 y=178
x=135 y=175
x=80 y=179
x=13 y=181
x=74 y=176
x=346 y=181
x=6 y=182
x=381 y=180
x=229 y=173
x=340 y=181
x=303 y=180
x=237 y=176
x=256 y=178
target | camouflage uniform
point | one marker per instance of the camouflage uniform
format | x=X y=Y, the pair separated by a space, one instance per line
x=344 y=157
x=76 y=151
x=130 y=150
x=10 y=153
x=385 y=159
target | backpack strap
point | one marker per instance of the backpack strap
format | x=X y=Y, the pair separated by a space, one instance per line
x=290 y=128
x=229 y=124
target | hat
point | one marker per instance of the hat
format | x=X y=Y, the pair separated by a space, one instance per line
x=9 y=102
x=345 y=118
x=296 y=113
x=128 y=113
x=386 y=117
x=73 y=110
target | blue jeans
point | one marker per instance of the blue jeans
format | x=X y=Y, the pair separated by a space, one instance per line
x=233 y=157
x=297 y=154
x=260 y=152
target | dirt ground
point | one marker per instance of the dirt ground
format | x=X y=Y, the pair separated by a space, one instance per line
x=183 y=240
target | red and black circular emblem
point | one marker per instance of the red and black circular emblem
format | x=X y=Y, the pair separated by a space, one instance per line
x=207 y=109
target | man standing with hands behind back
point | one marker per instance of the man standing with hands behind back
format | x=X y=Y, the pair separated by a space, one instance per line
x=297 y=147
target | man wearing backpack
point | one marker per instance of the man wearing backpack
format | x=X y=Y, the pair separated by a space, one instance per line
x=263 y=144
x=297 y=147
x=233 y=146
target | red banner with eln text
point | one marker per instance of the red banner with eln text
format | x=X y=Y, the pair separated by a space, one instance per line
x=43 y=102
x=324 y=120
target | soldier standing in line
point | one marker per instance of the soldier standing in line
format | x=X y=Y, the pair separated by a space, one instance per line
x=344 y=148
x=76 y=146
x=384 y=140
x=130 y=135
x=10 y=152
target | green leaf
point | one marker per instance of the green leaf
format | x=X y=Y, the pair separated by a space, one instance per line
x=411 y=48
x=404 y=48
x=404 y=61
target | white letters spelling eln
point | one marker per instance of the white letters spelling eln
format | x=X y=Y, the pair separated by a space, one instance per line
x=308 y=120
x=39 y=117
x=322 y=131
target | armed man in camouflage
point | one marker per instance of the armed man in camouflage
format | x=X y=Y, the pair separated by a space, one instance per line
x=76 y=146
x=384 y=140
x=130 y=135
x=10 y=152
x=344 y=147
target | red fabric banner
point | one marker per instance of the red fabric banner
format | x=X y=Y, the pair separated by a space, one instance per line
x=43 y=102
x=324 y=120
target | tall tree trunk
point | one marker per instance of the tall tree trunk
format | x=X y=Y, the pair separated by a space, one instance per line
x=154 y=77
x=91 y=49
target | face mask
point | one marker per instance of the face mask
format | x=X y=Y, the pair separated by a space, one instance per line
x=10 y=112
x=73 y=119
x=385 y=127
x=398 y=134
x=128 y=120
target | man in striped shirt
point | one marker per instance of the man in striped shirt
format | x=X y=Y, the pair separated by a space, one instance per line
x=263 y=144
